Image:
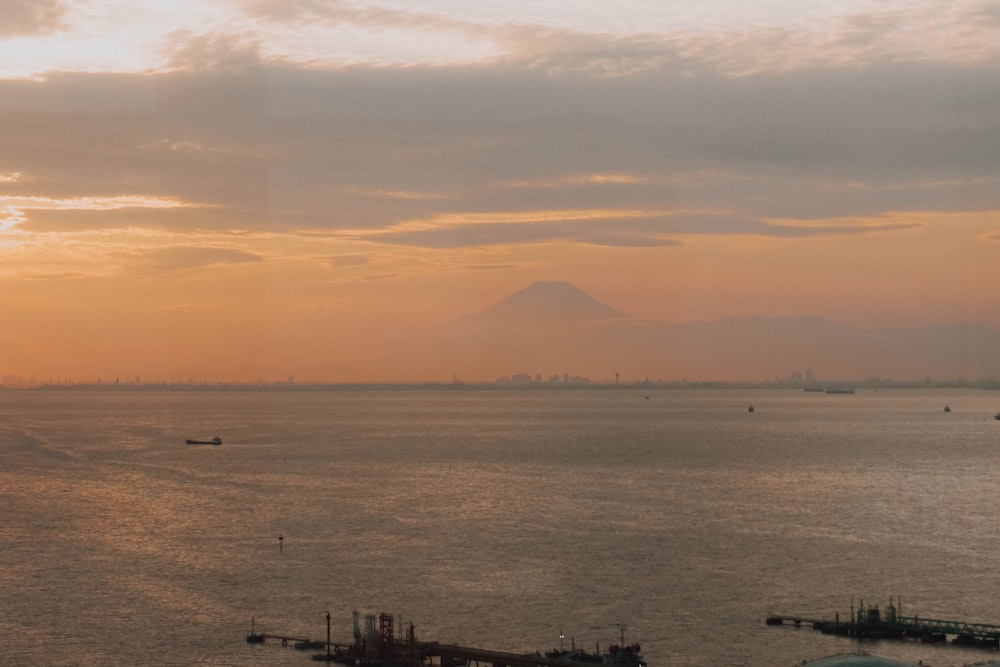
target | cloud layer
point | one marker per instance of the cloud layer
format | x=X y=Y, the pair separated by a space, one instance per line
x=273 y=147
x=329 y=163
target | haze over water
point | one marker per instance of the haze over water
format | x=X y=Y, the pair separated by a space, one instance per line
x=493 y=519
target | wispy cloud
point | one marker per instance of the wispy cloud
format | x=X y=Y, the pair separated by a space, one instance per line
x=29 y=17
x=201 y=147
x=580 y=179
x=962 y=31
x=362 y=14
x=615 y=228
x=641 y=40
x=179 y=258
x=213 y=52
x=92 y=203
x=400 y=194
x=342 y=261
x=14 y=208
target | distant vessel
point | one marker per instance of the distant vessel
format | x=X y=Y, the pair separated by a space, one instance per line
x=839 y=390
x=750 y=409
x=214 y=441
x=947 y=408
x=996 y=416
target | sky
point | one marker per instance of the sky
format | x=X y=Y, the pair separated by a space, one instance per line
x=247 y=190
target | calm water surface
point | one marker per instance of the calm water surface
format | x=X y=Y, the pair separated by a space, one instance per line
x=490 y=518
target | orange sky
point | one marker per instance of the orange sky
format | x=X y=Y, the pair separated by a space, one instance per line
x=254 y=190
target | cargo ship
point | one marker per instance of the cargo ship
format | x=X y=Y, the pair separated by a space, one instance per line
x=214 y=441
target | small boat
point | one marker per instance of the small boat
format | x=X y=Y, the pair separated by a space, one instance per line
x=750 y=409
x=947 y=408
x=996 y=416
x=214 y=441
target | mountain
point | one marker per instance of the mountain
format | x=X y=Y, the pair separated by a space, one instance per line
x=552 y=328
x=546 y=304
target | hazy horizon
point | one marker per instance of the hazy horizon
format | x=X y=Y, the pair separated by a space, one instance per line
x=240 y=190
x=552 y=333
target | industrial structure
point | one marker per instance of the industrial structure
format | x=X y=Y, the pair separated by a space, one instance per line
x=869 y=623
x=378 y=644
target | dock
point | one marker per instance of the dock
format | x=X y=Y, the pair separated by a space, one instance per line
x=379 y=646
x=869 y=623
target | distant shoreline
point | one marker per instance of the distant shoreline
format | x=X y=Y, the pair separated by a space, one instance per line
x=866 y=385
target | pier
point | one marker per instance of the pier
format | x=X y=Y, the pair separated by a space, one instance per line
x=869 y=623
x=378 y=646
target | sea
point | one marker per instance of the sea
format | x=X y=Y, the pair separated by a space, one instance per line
x=508 y=520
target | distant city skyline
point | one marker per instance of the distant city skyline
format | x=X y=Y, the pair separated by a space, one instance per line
x=247 y=189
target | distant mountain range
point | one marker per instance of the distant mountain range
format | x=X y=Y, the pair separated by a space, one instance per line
x=553 y=328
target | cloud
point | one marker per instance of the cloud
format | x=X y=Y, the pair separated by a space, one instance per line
x=179 y=258
x=598 y=232
x=961 y=31
x=229 y=53
x=811 y=229
x=54 y=276
x=361 y=152
x=599 y=227
x=44 y=212
x=30 y=17
x=487 y=267
x=635 y=229
x=368 y=18
x=341 y=261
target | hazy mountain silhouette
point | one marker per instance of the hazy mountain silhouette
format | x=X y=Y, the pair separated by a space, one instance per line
x=553 y=328
x=544 y=304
